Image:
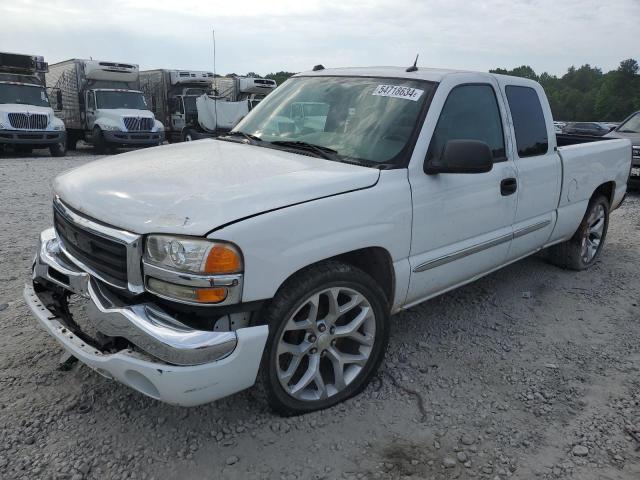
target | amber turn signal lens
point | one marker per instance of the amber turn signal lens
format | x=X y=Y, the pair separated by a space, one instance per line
x=211 y=295
x=223 y=259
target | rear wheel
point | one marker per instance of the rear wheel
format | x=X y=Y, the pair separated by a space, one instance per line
x=582 y=250
x=328 y=331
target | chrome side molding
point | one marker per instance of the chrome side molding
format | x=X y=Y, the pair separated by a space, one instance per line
x=465 y=252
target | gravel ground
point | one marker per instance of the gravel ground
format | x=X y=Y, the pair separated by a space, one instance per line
x=531 y=372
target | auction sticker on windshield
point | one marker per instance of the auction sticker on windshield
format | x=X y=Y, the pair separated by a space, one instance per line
x=397 y=91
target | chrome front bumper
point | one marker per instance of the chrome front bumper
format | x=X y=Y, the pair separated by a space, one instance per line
x=213 y=364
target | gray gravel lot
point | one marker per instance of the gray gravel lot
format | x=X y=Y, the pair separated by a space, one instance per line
x=531 y=372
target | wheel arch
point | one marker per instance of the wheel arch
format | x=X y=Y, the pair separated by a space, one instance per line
x=608 y=189
x=374 y=261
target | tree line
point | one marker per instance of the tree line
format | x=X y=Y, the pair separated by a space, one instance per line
x=588 y=94
x=582 y=94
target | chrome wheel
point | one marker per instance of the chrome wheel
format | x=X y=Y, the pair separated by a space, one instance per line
x=325 y=344
x=593 y=234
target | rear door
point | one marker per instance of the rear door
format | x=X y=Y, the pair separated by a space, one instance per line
x=538 y=164
x=462 y=223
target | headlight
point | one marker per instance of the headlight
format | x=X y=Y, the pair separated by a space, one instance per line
x=58 y=127
x=111 y=128
x=194 y=255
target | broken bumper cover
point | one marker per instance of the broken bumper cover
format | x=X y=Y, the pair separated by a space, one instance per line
x=191 y=367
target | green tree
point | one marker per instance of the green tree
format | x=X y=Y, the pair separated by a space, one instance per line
x=279 y=77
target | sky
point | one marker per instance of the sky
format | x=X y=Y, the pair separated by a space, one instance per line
x=267 y=36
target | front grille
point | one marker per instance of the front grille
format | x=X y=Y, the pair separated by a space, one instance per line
x=137 y=124
x=26 y=121
x=106 y=257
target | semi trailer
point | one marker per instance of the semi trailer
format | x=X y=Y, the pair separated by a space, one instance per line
x=101 y=103
x=197 y=104
x=27 y=120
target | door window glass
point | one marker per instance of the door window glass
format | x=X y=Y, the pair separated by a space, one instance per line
x=528 y=121
x=470 y=113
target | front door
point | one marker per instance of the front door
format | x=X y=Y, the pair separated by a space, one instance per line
x=462 y=223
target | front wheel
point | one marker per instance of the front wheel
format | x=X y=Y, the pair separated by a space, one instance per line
x=582 y=250
x=99 y=143
x=328 y=331
x=59 y=149
x=188 y=135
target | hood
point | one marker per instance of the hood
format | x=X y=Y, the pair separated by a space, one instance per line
x=634 y=137
x=21 y=108
x=124 y=112
x=194 y=187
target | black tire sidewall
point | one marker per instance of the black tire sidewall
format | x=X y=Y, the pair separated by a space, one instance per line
x=295 y=293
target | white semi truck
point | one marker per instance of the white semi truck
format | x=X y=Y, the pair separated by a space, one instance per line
x=27 y=120
x=101 y=103
x=196 y=104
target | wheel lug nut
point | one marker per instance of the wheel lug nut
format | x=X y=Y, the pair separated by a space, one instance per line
x=312 y=338
x=322 y=327
x=324 y=353
x=313 y=351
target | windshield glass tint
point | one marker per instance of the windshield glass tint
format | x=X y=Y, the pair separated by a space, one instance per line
x=112 y=99
x=23 y=94
x=370 y=119
x=631 y=125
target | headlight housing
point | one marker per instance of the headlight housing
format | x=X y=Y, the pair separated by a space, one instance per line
x=193 y=255
x=112 y=128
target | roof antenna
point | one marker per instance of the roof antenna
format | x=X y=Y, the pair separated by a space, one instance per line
x=414 y=67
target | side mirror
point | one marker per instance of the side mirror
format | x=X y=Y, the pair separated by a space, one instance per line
x=58 y=99
x=461 y=156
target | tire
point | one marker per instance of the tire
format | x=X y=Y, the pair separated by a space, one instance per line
x=99 y=143
x=72 y=143
x=59 y=149
x=323 y=342
x=583 y=249
x=187 y=135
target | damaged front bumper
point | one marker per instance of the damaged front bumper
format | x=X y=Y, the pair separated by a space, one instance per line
x=168 y=360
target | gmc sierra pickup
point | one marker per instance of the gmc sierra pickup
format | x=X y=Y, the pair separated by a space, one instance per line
x=283 y=248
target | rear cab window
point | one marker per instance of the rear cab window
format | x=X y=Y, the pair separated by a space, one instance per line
x=528 y=121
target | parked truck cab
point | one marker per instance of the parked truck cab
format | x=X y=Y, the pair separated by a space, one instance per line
x=101 y=103
x=27 y=120
x=172 y=95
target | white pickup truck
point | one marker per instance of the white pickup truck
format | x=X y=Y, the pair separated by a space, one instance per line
x=283 y=248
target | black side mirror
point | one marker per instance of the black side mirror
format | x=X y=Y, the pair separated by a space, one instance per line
x=58 y=99
x=461 y=156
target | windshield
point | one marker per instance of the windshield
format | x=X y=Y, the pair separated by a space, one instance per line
x=360 y=118
x=110 y=99
x=23 y=94
x=632 y=125
x=190 y=104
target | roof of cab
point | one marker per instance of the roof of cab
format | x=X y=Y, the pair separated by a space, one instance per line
x=429 y=74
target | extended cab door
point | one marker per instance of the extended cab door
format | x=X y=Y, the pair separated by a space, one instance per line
x=462 y=223
x=537 y=162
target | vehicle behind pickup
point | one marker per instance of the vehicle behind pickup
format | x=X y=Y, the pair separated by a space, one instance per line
x=27 y=120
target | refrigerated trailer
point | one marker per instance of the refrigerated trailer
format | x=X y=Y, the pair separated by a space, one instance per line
x=27 y=120
x=196 y=104
x=101 y=103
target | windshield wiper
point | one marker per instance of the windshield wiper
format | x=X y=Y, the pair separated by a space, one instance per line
x=324 y=152
x=253 y=139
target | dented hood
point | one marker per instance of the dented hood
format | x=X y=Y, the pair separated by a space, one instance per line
x=195 y=187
